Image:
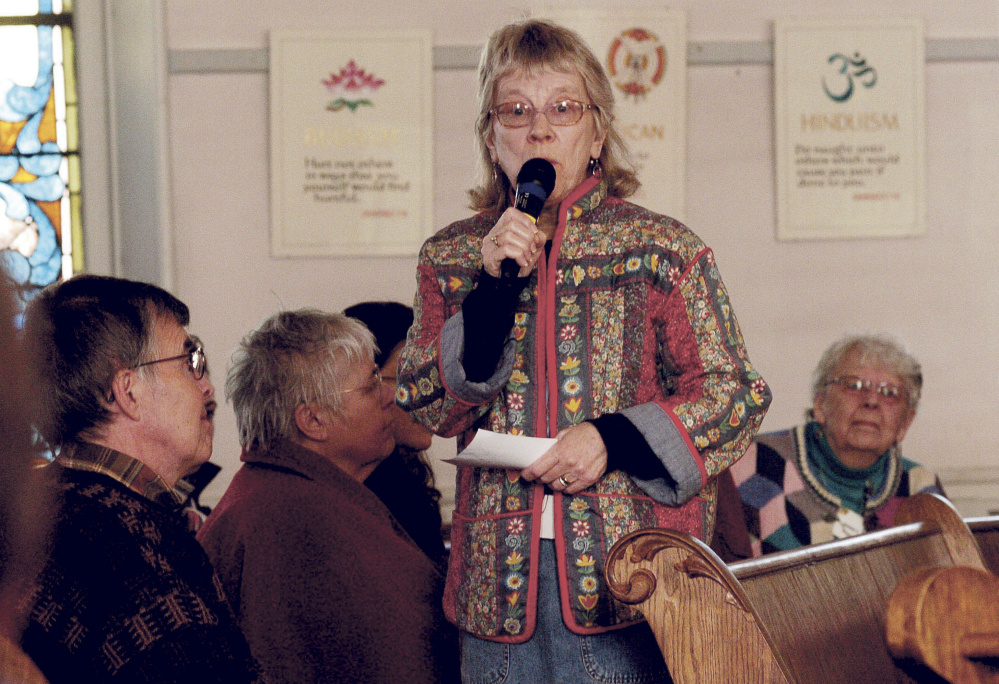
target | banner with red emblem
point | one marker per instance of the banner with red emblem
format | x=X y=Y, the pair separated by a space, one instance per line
x=351 y=143
x=644 y=52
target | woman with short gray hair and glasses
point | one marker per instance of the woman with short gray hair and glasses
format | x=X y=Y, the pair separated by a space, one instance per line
x=842 y=472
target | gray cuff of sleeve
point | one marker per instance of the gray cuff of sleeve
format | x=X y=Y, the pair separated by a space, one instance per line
x=671 y=449
x=452 y=346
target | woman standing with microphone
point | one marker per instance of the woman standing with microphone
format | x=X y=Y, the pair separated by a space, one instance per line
x=615 y=336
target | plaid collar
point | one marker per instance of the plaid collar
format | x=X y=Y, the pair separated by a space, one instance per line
x=134 y=474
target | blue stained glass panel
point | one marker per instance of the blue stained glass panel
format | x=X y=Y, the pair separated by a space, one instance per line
x=39 y=202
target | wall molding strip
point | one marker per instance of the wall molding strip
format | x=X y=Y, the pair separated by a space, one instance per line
x=466 y=57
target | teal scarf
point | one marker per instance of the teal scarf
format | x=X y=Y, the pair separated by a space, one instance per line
x=854 y=487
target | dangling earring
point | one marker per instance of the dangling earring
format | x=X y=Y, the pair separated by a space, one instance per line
x=595 y=168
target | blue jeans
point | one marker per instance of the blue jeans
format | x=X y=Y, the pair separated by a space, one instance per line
x=555 y=655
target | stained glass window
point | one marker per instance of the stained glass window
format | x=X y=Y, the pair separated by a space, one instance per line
x=40 y=240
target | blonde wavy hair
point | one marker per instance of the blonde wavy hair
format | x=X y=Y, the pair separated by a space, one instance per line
x=531 y=47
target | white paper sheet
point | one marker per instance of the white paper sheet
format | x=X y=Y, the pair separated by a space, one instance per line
x=495 y=450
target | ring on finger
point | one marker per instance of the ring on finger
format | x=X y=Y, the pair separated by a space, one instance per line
x=562 y=481
x=495 y=241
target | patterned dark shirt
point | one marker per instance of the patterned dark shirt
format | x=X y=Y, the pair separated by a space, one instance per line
x=134 y=474
x=127 y=594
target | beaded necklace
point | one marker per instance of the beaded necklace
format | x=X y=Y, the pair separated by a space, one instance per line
x=893 y=476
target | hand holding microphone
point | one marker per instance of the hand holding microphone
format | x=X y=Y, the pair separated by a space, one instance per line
x=535 y=182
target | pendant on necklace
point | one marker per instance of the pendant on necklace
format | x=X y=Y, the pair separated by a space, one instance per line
x=848 y=523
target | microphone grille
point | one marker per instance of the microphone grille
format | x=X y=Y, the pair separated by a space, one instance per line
x=538 y=171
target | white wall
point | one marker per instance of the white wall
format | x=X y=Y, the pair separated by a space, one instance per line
x=938 y=292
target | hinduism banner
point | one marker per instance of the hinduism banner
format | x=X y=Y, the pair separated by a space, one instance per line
x=644 y=52
x=351 y=143
x=850 y=153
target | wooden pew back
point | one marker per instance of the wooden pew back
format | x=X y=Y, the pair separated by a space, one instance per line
x=814 y=614
x=945 y=622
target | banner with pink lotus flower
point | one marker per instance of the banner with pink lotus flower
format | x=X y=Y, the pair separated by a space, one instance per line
x=351 y=143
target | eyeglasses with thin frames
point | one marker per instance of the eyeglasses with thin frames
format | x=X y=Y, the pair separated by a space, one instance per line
x=195 y=359
x=560 y=113
x=372 y=385
x=855 y=385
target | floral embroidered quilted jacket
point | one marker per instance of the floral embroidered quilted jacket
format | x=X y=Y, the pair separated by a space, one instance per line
x=628 y=315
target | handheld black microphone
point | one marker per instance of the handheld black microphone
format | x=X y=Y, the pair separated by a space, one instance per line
x=535 y=182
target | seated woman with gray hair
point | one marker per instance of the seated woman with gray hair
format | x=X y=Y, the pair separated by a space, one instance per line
x=842 y=473
x=325 y=584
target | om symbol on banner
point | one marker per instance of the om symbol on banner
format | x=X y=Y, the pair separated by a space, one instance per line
x=849 y=71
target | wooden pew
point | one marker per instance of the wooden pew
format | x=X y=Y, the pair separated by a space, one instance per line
x=945 y=620
x=814 y=614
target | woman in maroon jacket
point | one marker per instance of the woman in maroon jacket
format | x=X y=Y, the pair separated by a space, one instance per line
x=326 y=585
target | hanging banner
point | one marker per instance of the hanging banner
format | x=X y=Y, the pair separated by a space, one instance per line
x=351 y=143
x=850 y=152
x=644 y=52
